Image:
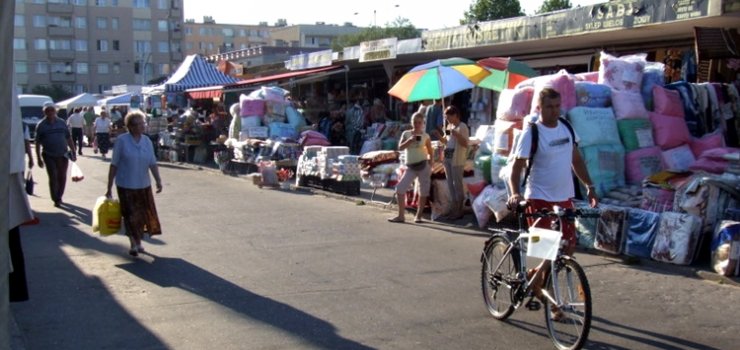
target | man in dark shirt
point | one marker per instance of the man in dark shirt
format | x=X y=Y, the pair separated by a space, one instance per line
x=52 y=141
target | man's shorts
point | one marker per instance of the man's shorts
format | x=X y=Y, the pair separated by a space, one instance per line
x=569 y=229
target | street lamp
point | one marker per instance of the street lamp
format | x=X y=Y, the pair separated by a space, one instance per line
x=375 y=15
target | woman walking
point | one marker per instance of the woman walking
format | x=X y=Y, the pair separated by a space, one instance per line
x=133 y=159
x=102 y=133
x=417 y=146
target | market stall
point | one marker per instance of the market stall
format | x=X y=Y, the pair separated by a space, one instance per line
x=658 y=155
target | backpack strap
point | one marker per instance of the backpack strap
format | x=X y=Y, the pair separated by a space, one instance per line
x=535 y=143
x=532 y=151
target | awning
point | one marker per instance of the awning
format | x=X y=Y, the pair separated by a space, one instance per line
x=283 y=76
x=195 y=72
x=206 y=93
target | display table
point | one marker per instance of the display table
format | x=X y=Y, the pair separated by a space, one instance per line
x=350 y=188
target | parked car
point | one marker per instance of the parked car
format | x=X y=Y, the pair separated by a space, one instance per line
x=32 y=110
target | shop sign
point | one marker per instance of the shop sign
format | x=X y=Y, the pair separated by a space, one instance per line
x=409 y=46
x=351 y=53
x=377 y=50
x=309 y=60
x=612 y=15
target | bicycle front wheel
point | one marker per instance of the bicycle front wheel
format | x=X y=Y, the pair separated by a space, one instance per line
x=495 y=283
x=568 y=322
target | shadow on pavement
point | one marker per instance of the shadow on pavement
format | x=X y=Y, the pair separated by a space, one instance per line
x=84 y=215
x=178 y=273
x=660 y=341
x=69 y=309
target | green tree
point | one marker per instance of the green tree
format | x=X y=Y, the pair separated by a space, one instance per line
x=489 y=10
x=56 y=92
x=554 y=5
x=401 y=28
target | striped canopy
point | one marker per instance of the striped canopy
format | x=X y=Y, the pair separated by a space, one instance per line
x=195 y=72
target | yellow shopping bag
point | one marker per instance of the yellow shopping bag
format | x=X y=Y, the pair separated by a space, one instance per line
x=106 y=216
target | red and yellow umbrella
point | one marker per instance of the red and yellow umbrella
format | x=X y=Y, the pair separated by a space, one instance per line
x=506 y=73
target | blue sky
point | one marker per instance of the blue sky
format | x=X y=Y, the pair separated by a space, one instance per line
x=360 y=13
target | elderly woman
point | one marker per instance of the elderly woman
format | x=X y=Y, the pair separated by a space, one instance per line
x=133 y=159
x=418 y=153
x=102 y=126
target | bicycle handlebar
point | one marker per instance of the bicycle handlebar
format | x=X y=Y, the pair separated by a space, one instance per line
x=557 y=211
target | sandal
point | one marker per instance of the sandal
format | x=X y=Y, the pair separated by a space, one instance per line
x=396 y=219
x=418 y=220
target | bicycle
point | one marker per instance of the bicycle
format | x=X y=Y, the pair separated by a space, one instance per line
x=566 y=293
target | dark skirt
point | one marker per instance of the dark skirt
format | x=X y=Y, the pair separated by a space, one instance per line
x=139 y=212
x=103 y=140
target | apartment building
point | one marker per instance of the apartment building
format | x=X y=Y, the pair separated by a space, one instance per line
x=319 y=35
x=92 y=45
x=210 y=38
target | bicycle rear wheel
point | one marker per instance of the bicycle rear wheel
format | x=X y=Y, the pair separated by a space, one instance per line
x=496 y=287
x=569 y=327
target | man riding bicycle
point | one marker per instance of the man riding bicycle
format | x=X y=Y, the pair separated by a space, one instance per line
x=548 y=180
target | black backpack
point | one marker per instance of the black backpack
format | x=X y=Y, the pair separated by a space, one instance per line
x=535 y=142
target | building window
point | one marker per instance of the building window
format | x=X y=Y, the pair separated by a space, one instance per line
x=114 y=23
x=102 y=88
x=189 y=46
x=142 y=24
x=39 y=44
x=210 y=47
x=100 y=2
x=102 y=45
x=175 y=46
x=116 y=45
x=39 y=21
x=116 y=68
x=228 y=32
x=114 y=3
x=80 y=2
x=19 y=20
x=163 y=47
x=101 y=22
x=42 y=68
x=19 y=44
x=188 y=31
x=58 y=67
x=141 y=46
x=163 y=4
x=242 y=32
x=80 y=22
x=102 y=68
x=21 y=67
x=81 y=68
x=162 y=25
x=141 y=3
x=65 y=22
x=81 y=45
x=163 y=69
x=60 y=45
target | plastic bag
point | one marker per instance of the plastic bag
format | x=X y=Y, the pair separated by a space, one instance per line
x=76 y=173
x=106 y=216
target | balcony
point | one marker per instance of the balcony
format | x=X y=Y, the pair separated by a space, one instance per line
x=62 y=77
x=176 y=56
x=176 y=34
x=175 y=13
x=60 y=8
x=62 y=54
x=60 y=31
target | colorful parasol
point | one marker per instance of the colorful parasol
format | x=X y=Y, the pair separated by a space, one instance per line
x=506 y=73
x=438 y=79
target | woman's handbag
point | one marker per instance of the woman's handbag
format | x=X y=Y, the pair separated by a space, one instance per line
x=29 y=184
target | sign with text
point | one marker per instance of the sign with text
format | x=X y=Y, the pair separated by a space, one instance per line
x=612 y=15
x=378 y=50
x=310 y=60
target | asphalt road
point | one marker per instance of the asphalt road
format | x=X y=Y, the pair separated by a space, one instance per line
x=240 y=267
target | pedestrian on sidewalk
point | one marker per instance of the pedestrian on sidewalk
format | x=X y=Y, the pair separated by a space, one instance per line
x=52 y=142
x=102 y=133
x=76 y=123
x=132 y=160
x=417 y=146
x=89 y=116
x=456 y=152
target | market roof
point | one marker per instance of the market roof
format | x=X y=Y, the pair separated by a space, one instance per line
x=120 y=100
x=281 y=76
x=80 y=100
x=195 y=72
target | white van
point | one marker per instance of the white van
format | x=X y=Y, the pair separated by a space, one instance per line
x=32 y=110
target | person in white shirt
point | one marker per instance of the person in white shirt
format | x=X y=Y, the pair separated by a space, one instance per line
x=76 y=123
x=417 y=146
x=550 y=182
x=133 y=159
x=102 y=127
